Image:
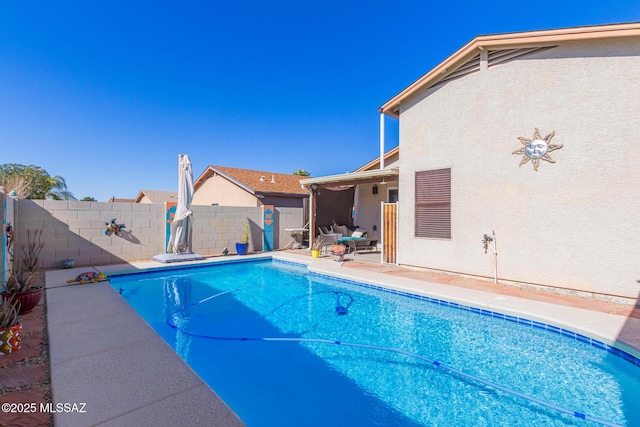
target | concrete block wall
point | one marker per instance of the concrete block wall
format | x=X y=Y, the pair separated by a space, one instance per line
x=287 y=218
x=219 y=227
x=76 y=230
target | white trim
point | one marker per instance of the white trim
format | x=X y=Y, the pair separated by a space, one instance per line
x=381 y=140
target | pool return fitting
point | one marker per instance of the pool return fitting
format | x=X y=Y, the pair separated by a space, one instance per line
x=339 y=308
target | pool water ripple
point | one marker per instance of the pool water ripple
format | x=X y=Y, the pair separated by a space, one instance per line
x=288 y=383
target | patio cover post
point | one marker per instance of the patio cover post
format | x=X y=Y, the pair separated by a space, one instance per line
x=381 y=140
x=312 y=216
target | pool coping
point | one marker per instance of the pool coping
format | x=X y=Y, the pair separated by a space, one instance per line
x=104 y=354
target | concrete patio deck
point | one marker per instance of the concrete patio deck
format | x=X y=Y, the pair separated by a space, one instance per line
x=103 y=354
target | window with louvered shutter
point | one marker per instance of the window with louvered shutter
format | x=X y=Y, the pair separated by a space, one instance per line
x=433 y=204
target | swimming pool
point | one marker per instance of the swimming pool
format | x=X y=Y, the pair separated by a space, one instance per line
x=347 y=354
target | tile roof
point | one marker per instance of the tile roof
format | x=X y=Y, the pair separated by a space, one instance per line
x=257 y=181
x=158 y=196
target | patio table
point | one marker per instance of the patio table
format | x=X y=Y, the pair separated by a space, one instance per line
x=294 y=234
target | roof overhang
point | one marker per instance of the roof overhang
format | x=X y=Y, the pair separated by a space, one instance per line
x=376 y=162
x=139 y=197
x=211 y=170
x=505 y=41
x=355 y=178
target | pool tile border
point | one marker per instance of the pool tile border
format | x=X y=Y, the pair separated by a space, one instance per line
x=184 y=266
x=520 y=320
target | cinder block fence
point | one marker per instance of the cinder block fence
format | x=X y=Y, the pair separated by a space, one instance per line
x=77 y=229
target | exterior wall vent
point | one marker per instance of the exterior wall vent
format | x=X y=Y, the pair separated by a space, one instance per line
x=495 y=57
x=499 y=56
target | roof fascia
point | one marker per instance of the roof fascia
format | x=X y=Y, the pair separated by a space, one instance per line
x=212 y=169
x=139 y=197
x=373 y=162
x=350 y=178
x=523 y=39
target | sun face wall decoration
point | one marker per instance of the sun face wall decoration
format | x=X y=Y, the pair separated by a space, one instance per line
x=536 y=149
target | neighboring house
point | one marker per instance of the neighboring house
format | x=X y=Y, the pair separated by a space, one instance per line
x=534 y=136
x=225 y=186
x=156 y=196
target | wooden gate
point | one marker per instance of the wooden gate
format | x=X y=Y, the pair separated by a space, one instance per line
x=389 y=232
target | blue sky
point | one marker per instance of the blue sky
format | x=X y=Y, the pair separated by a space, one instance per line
x=107 y=95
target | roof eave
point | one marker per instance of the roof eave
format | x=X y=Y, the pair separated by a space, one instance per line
x=375 y=161
x=139 y=197
x=211 y=170
x=522 y=39
x=350 y=178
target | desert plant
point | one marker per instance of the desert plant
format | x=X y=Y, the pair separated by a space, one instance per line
x=23 y=271
x=20 y=280
x=244 y=232
x=337 y=249
x=31 y=251
x=316 y=245
x=8 y=312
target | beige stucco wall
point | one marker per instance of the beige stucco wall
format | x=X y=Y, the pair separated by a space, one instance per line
x=145 y=199
x=218 y=190
x=368 y=207
x=368 y=213
x=572 y=224
x=392 y=162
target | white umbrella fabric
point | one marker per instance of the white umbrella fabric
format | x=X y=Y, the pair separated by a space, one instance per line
x=181 y=227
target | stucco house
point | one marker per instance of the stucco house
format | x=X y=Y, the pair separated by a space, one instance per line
x=226 y=186
x=532 y=136
x=156 y=196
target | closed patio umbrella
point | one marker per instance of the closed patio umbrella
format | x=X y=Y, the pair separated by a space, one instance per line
x=181 y=227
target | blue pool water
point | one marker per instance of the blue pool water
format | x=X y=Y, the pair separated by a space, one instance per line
x=416 y=363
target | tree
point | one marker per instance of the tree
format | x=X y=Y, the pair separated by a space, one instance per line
x=88 y=199
x=59 y=190
x=302 y=172
x=33 y=182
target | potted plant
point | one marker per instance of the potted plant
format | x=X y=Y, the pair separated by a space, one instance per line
x=10 y=326
x=316 y=246
x=243 y=247
x=338 y=251
x=23 y=284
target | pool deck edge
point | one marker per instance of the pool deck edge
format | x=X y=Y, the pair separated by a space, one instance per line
x=104 y=355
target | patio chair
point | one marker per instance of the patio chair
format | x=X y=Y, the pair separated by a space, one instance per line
x=328 y=239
